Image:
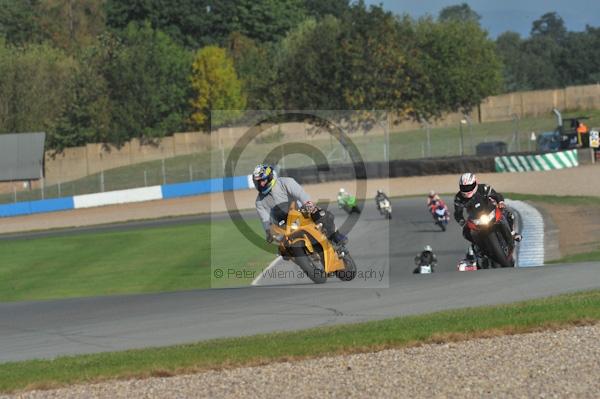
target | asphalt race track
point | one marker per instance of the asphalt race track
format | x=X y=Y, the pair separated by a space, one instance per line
x=64 y=327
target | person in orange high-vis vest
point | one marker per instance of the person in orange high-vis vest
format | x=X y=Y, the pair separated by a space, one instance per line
x=583 y=138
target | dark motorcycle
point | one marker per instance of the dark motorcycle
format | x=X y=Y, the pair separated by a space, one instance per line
x=490 y=231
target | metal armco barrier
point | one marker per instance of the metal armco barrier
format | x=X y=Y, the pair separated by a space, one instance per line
x=398 y=168
x=537 y=162
x=305 y=175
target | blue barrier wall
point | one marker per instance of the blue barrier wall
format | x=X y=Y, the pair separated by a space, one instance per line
x=167 y=191
x=29 y=207
x=204 y=187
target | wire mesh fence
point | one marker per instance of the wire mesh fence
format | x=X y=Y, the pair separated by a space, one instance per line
x=278 y=145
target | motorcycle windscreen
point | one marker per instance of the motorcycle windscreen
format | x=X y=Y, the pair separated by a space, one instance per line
x=279 y=213
x=478 y=205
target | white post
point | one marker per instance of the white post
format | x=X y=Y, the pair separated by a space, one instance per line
x=386 y=154
x=428 y=140
x=223 y=158
x=42 y=179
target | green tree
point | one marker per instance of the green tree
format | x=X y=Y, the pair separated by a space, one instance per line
x=549 y=25
x=216 y=88
x=310 y=66
x=552 y=57
x=256 y=70
x=580 y=57
x=509 y=49
x=18 y=21
x=459 y=13
x=261 y=20
x=188 y=22
x=361 y=62
x=35 y=81
x=461 y=64
x=147 y=76
x=321 y=8
x=87 y=116
x=70 y=24
x=542 y=53
x=383 y=74
x=197 y=23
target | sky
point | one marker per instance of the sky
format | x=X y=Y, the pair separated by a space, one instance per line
x=499 y=16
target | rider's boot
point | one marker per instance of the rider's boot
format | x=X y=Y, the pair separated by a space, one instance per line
x=511 y=222
x=339 y=241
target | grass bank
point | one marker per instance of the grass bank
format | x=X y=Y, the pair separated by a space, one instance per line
x=583 y=201
x=142 y=260
x=550 y=313
x=556 y=199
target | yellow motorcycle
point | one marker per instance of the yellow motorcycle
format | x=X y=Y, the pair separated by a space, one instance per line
x=306 y=244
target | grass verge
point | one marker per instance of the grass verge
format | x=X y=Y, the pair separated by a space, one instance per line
x=556 y=199
x=456 y=325
x=154 y=259
x=592 y=256
x=582 y=201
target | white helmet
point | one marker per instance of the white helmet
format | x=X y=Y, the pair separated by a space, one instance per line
x=468 y=185
x=342 y=191
x=427 y=248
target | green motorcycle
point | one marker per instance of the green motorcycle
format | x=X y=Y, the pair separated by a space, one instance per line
x=348 y=203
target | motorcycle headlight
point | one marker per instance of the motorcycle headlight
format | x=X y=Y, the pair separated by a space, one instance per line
x=485 y=219
x=295 y=225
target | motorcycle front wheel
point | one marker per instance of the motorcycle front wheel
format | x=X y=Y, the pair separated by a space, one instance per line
x=499 y=250
x=314 y=270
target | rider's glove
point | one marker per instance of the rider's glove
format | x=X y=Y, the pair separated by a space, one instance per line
x=501 y=205
x=309 y=207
